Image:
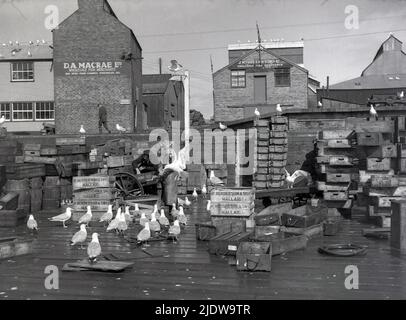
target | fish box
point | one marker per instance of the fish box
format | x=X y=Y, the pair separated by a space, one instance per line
x=90 y=182
x=278 y=134
x=378 y=164
x=70 y=141
x=262 y=156
x=36 y=159
x=25 y=171
x=261 y=232
x=338 y=143
x=278 y=163
x=32 y=147
x=254 y=256
x=309 y=232
x=337 y=134
x=283 y=242
x=278 y=141
x=207 y=230
x=384 y=181
x=95 y=205
x=385 y=151
x=12 y=218
x=279 y=120
x=340 y=161
x=279 y=127
x=32 y=153
x=94 y=194
x=233 y=209
x=335 y=195
x=48 y=152
x=369 y=138
x=338 y=177
x=278 y=156
x=271 y=215
x=264 y=150
x=9 y=201
x=227 y=243
x=261 y=123
x=227 y=224
x=304 y=216
x=260 y=184
x=12 y=247
x=278 y=149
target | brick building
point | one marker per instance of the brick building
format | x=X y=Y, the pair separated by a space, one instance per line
x=26 y=85
x=384 y=76
x=97 y=59
x=163 y=101
x=260 y=76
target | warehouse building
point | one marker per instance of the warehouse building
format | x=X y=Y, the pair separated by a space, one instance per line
x=26 y=85
x=97 y=59
x=163 y=101
x=261 y=76
x=384 y=76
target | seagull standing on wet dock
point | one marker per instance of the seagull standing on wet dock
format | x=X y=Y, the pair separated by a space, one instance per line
x=62 y=217
x=187 y=202
x=194 y=194
x=163 y=220
x=174 y=211
x=80 y=236
x=87 y=217
x=32 y=224
x=127 y=215
x=108 y=216
x=114 y=223
x=143 y=219
x=122 y=224
x=174 y=230
x=145 y=234
x=204 y=191
x=154 y=224
x=94 y=248
x=182 y=217
x=208 y=205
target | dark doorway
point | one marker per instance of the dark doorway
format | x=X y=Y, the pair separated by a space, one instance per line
x=260 y=89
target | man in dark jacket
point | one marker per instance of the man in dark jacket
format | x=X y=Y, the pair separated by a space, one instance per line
x=103 y=118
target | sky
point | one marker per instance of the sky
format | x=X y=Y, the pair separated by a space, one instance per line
x=192 y=31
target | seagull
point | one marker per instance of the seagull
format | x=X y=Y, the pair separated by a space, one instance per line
x=94 y=248
x=175 y=66
x=144 y=234
x=181 y=217
x=63 y=217
x=114 y=223
x=87 y=217
x=174 y=230
x=401 y=95
x=319 y=104
x=179 y=165
x=136 y=210
x=2 y=119
x=290 y=179
x=163 y=220
x=222 y=126
x=143 y=219
x=82 y=130
x=154 y=224
x=187 y=202
x=373 y=112
x=257 y=113
x=174 y=211
x=108 y=216
x=127 y=215
x=122 y=224
x=279 y=108
x=195 y=195
x=180 y=203
x=208 y=205
x=214 y=180
x=80 y=236
x=32 y=224
x=120 y=128
x=204 y=191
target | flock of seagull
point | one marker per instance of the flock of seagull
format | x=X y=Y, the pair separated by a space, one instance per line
x=153 y=222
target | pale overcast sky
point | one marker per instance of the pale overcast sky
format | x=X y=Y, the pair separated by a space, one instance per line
x=192 y=30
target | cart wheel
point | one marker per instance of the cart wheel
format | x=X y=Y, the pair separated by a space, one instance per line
x=127 y=186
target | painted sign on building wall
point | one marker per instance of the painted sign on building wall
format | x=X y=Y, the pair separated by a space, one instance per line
x=86 y=68
x=256 y=65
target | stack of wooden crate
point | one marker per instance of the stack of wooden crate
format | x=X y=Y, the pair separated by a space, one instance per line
x=278 y=151
x=338 y=167
x=260 y=177
x=94 y=191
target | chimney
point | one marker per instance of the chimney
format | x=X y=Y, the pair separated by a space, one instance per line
x=90 y=4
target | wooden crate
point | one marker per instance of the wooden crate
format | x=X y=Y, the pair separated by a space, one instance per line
x=335 y=195
x=309 y=232
x=91 y=182
x=32 y=147
x=275 y=184
x=227 y=224
x=271 y=214
x=384 y=181
x=9 y=201
x=336 y=134
x=332 y=227
x=385 y=151
x=338 y=177
x=262 y=143
x=273 y=170
x=48 y=151
x=261 y=177
x=263 y=156
x=12 y=247
x=25 y=171
x=44 y=160
x=278 y=163
x=340 y=161
x=94 y=194
x=283 y=242
x=227 y=243
x=259 y=184
x=261 y=123
x=263 y=136
x=278 y=156
x=12 y=218
x=254 y=256
x=32 y=153
x=398 y=226
x=279 y=120
x=338 y=143
x=278 y=134
x=70 y=141
x=369 y=138
x=304 y=216
x=278 y=141
x=279 y=127
x=378 y=164
x=263 y=149
x=278 y=148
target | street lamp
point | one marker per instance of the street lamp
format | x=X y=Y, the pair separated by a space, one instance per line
x=179 y=73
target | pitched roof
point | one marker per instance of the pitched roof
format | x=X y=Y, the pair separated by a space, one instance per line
x=25 y=52
x=372 y=82
x=264 y=50
x=155 y=83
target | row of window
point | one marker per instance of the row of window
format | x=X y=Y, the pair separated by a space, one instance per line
x=28 y=111
x=282 y=78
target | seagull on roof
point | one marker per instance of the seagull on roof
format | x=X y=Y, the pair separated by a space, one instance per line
x=279 y=108
x=257 y=113
x=82 y=130
x=373 y=112
x=32 y=224
x=175 y=66
x=222 y=126
x=94 y=248
x=80 y=236
x=120 y=128
x=214 y=180
x=2 y=119
x=63 y=217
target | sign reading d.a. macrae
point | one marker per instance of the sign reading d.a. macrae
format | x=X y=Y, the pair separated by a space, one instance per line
x=90 y=68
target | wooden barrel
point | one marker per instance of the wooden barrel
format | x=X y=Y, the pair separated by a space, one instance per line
x=22 y=187
x=51 y=193
x=66 y=189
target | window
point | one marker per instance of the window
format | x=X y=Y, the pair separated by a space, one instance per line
x=23 y=111
x=44 y=111
x=5 y=110
x=282 y=77
x=22 y=71
x=238 y=78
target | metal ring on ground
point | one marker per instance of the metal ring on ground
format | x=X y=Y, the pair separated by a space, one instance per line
x=343 y=250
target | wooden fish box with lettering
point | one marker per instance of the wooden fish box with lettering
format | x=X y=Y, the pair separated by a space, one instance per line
x=340 y=161
x=338 y=177
x=279 y=120
x=95 y=205
x=232 y=209
x=384 y=181
x=335 y=195
x=227 y=244
x=378 y=164
x=385 y=151
x=263 y=136
x=278 y=134
x=322 y=186
x=70 y=141
x=94 y=194
x=91 y=182
x=232 y=194
x=338 y=143
x=304 y=216
x=278 y=149
x=338 y=134
x=279 y=127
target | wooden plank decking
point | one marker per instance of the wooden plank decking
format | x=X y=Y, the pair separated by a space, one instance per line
x=185 y=270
